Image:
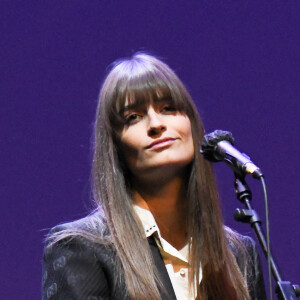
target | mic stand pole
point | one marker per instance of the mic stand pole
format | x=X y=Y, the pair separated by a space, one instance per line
x=284 y=289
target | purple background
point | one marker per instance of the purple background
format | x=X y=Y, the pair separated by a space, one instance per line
x=240 y=61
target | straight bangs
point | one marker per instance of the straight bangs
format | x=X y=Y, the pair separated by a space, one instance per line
x=144 y=86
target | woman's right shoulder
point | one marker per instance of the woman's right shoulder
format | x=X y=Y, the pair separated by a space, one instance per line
x=92 y=227
x=75 y=254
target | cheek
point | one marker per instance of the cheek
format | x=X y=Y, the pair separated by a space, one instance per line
x=185 y=128
x=132 y=136
x=191 y=148
x=130 y=145
x=128 y=139
x=188 y=137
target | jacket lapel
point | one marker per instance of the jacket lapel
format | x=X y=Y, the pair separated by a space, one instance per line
x=168 y=292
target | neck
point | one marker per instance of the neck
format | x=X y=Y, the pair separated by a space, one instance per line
x=167 y=203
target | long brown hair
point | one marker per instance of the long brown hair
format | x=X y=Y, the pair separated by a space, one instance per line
x=138 y=79
x=141 y=78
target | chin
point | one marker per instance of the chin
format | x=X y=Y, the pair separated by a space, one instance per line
x=163 y=169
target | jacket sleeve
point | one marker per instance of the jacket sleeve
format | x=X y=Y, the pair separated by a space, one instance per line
x=255 y=278
x=71 y=270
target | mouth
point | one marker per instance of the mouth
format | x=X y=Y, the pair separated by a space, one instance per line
x=157 y=144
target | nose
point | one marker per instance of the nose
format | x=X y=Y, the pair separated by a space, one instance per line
x=156 y=125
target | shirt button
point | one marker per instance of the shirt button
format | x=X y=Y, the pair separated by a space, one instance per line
x=182 y=273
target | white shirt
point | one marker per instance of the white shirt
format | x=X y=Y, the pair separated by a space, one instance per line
x=176 y=261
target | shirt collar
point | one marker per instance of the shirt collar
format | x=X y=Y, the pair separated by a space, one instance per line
x=151 y=228
x=147 y=220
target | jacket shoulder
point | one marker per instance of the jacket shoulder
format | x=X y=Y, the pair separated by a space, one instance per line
x=93 y=224
x=87 y=235
x=78 y=261
x=245 y=252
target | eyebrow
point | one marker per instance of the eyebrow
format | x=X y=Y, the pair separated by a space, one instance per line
x=131 y=107
x=139 y=104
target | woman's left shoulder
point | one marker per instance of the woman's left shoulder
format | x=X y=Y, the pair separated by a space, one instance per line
x=239 y=242
x=245 y=252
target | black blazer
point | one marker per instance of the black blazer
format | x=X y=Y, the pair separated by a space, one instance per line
x=79 y=269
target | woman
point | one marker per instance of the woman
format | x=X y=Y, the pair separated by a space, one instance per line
x=157 y=232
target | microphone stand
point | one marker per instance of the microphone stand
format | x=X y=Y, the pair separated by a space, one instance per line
x=284 y=289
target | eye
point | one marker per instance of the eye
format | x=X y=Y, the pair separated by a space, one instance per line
x=169 y=108
x=131 y=118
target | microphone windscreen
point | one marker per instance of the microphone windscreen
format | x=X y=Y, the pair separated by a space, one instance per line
x=210 y=142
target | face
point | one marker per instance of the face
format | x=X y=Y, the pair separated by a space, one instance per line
x=156 y=139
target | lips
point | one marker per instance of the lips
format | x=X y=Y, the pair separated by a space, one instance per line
x=161 y=143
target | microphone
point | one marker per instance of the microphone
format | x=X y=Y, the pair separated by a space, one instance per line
x=218 y=146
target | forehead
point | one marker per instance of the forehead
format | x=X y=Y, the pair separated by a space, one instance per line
x=146 y=103
x=139 y=99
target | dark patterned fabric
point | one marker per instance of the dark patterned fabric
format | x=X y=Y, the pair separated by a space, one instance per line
x=78 y=269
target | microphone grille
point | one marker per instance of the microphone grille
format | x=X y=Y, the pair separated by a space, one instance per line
x=210 y=141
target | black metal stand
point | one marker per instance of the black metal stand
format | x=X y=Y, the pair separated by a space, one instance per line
x=284 y=289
